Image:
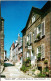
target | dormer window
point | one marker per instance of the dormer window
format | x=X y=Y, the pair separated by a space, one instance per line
x=33 y=18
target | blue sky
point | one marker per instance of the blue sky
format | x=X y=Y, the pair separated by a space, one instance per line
x=15 y=14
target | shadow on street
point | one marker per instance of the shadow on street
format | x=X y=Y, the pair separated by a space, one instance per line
x=2 y=76
x=8 y=64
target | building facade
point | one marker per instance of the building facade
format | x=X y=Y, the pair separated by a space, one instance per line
x=36 y=37
x=2 y=41
x=11 y=52
x=16 y=51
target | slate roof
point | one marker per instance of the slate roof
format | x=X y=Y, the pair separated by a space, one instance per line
x=38 y=11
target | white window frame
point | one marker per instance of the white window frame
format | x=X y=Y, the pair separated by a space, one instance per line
x=34 y=34
x=33 y=18
x=28 y=54
x=44 y=27
x=27 y=38
x=44 y=51
x=38 y=30
x=31 y=36
x=37 y=50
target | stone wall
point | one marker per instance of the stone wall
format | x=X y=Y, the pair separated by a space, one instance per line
x=45 y=40
x=2 y=41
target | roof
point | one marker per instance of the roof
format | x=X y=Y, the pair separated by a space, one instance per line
x=38 y=11
x=46 y=6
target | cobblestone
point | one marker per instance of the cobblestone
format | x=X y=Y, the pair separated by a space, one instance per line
x=13 y=72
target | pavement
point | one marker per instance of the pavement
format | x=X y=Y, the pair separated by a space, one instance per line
x=13 y=72
x=1 y=68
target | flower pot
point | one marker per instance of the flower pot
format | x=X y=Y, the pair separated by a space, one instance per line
x=38 y=36
x=39 y=58
x=47 y=74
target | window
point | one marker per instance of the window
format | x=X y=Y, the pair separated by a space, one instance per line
x=43 y=28
x=33 y=19
x=30 y=35
x=34 y=34
x=29 y=38
x=39 y=32
x=39 y=29
x=28 y=54
x=41 y=50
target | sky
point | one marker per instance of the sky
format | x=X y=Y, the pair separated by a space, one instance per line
x=15 y=14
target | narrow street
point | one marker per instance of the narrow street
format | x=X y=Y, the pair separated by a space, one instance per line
x=11 y=71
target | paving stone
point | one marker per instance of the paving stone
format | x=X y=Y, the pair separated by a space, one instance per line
x=13 y=72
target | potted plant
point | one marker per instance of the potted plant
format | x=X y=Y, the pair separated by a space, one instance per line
x=27 y=43
x=45 y=61
x=39 y=56
x=38 y=36
x=28 y=61
x=46 y=71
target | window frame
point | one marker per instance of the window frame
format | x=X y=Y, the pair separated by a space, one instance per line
x=44 y=27
x=37 y=50
x=33 y=18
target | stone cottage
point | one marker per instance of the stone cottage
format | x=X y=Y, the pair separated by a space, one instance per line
x=36 y=37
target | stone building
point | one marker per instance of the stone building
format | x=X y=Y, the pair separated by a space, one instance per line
x=36 y=37
x=16 y=51
x=20 y=51
x=5 y=55
x=11 y=52
x=2 y=41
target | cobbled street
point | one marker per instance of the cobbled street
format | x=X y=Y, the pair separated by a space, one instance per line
x=11 y=71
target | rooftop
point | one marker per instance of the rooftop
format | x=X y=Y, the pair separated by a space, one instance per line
x=39 y=11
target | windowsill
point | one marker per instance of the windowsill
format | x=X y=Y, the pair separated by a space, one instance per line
x=38 y=60
x=31 y=43
x=43 y=36
x=37 y=40
x=41 y=60
x=28 y=45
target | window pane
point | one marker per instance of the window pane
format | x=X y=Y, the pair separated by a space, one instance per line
x=33 y=18
x=39 y=49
